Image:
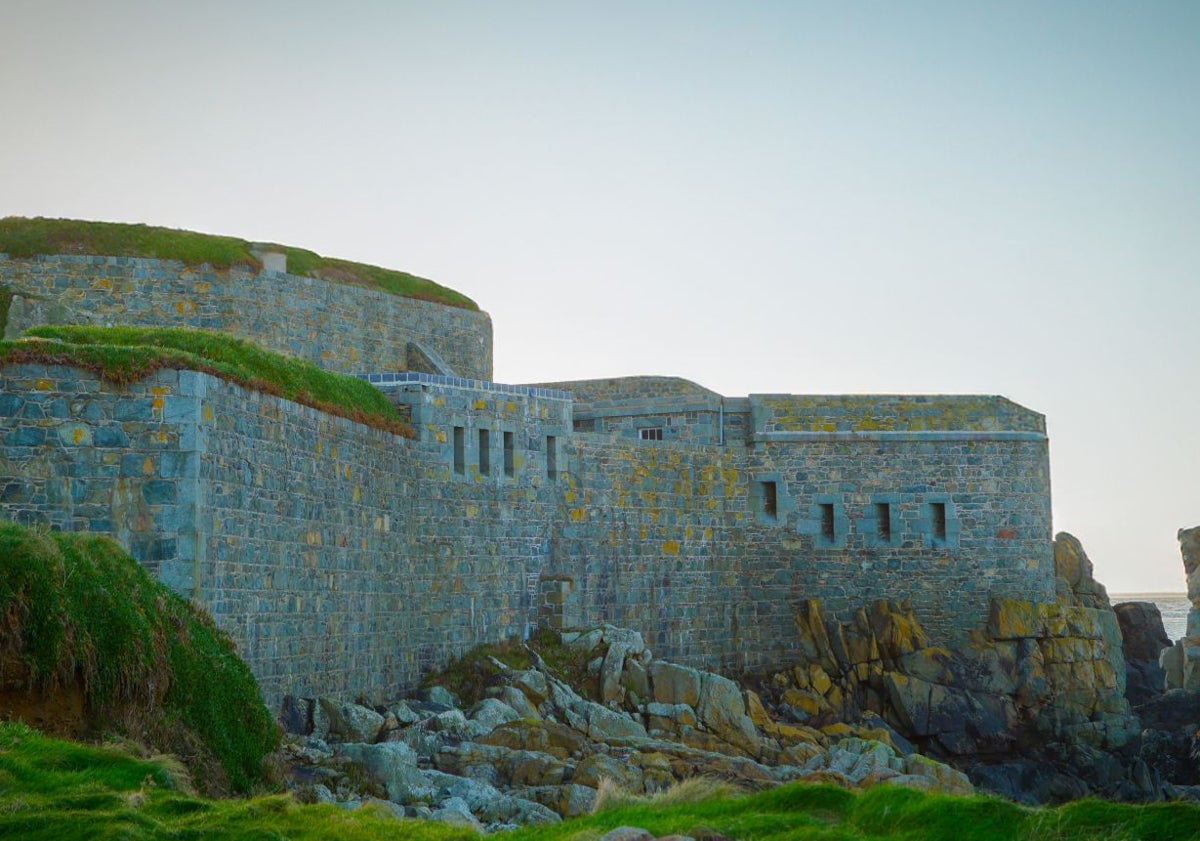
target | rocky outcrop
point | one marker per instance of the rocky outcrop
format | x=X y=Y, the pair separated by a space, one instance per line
x=1034 y=707
x=534 y=749
x=1181 y=662
x=1144 y=639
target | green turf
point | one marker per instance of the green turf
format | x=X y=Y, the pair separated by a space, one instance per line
x=21 y=237
x=75 y=609
x=126 y=354
x=61 y=791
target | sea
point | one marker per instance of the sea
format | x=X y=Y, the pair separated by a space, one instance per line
x=1173 y=606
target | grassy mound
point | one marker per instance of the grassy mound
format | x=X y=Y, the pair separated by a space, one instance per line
x=21 y=237
x=77 y=612
x=60 y=791
x=126 y=354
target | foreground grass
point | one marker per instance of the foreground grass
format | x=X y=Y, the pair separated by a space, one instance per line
x=76 y=611
x=62 y=791
x=127 y=354
x=21 y=237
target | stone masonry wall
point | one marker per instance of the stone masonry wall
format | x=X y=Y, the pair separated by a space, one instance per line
x=346 y=560
x=80 y=454
x=344 y=328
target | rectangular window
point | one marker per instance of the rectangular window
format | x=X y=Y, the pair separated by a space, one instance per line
x=551 y=457
x=827 y=521
x=460 y=450
x=770 y=499
x=937 y=516
x=883 y=520
x=485 y=455
x=651 y=433
x=508 y=454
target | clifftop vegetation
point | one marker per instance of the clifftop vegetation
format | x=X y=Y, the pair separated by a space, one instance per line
x=80 y=619
x=126 y=354
x=21 y=237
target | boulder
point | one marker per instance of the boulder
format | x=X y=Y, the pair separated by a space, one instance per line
x=488 y=714
x=394 y=765
x=558 y=740
x=671 y=683
x=569 y=801
x=349 y=722
x=722 y=711
x=592 y=769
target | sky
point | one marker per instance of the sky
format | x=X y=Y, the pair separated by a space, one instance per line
x=840 y=197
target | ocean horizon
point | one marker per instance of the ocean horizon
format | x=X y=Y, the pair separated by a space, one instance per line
x=1173 y=606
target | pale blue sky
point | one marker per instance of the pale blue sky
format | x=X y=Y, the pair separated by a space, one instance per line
x=961 y=197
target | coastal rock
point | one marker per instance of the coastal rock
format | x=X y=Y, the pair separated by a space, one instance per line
x=394 y=765
x=349 y=722
x=1144 y=638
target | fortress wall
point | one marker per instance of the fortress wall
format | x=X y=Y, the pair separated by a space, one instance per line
x=994 y=492
x=490 y=534
x=341 y=327
x=656 y=538
x=82 y=455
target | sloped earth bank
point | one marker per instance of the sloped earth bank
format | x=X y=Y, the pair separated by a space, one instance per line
x=1034 y=709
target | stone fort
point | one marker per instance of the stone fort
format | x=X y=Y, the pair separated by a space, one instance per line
x=346 y=560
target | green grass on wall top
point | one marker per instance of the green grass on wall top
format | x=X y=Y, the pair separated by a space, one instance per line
x=76 y=611
x=22 y=237
x=126 y=354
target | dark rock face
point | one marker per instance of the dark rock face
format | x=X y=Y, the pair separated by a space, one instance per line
x=1144 y=639
x=1034 y=709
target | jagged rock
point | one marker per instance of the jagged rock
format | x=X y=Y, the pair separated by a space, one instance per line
x=627 y=833
x=722 y=710
x=349 y=722
x=1073 y=567
x=1145 y=638
x=394 y=765
x=858 y=759
x=669 y=718
x=515 y=698
x=454 y=811
x=671 y=683
x=488 y=714
x=438 y=695
x=591 y=770
x=558 y=740
x=499 y=765
x=569 y=801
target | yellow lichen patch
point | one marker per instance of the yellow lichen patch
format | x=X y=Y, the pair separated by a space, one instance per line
x=208 y=413
x=576 y=515
x=184 y=307
x=201 y=286
x=157 y=403
x=320 y=447
x=43 y=384
x=510 y=407
x=346 y=471
x=439 y=401
x=479 y=404
x=160 y=389
x=102 y=283
x=148 y=466
x=670 y=547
